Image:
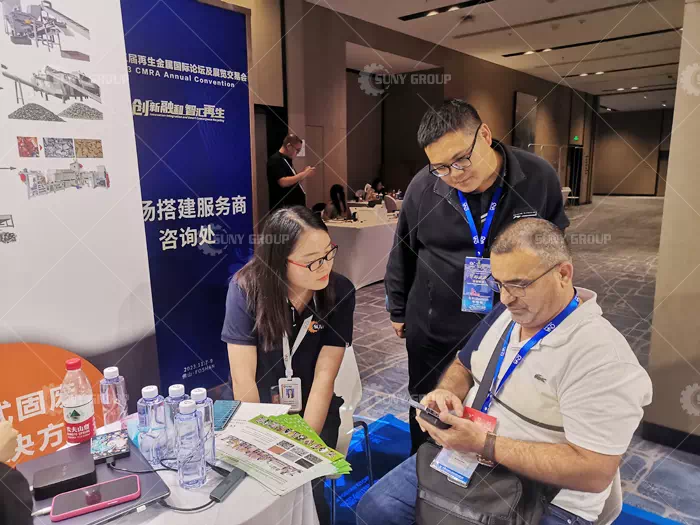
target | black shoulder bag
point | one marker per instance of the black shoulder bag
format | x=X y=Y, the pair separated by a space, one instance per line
x=494 y=496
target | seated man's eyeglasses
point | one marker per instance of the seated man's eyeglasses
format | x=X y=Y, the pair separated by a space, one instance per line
x=515 y=289
x=315 y=265
x=462 y=163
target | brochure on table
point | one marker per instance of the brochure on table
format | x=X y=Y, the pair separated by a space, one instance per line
x=281 y=452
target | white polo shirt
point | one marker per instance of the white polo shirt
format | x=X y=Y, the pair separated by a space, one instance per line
x=583 y=377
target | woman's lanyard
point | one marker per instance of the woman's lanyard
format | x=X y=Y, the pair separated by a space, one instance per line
x=287 y=353
x=566 y=312
x=480 y=241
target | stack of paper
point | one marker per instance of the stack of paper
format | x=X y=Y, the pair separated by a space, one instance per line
x=281 y=452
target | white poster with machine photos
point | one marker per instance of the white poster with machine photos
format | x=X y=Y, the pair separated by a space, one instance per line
x=73 y=263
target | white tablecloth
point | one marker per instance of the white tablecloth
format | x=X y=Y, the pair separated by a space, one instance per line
x=250 y=503
x=363 y=250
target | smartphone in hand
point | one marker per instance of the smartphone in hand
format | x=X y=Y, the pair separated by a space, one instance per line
x=429 y=415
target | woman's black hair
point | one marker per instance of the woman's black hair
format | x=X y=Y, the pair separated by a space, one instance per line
x=338 y=198
x=264 y=279
x=376 y=182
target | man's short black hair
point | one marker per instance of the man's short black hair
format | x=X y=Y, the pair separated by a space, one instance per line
x=453 y=115
x=291 y=140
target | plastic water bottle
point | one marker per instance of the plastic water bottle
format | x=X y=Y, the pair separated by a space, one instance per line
x=205 y=406
x=176 y=394
x=78 y=403
x=113 y=396
x=153 y=440
x=191 y=467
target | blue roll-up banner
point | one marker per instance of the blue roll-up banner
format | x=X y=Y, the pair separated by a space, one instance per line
x=188 y=72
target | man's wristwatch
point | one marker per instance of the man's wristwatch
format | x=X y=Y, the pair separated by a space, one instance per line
x=488 y=455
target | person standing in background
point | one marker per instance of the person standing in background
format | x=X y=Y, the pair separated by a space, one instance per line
x=283 y=180
x=473 y=187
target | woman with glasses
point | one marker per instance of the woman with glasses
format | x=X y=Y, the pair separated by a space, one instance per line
x=289 y=318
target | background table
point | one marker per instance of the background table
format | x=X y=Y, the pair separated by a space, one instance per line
x=250 y=503
x=363 y=250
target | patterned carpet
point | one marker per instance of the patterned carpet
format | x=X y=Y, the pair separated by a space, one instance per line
x=615 y=242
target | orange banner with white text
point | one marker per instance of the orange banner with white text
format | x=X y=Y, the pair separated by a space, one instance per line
x=30 y=384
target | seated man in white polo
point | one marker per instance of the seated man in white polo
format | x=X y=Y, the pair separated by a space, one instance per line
x=580 y=382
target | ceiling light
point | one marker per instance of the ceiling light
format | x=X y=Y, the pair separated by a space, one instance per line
x=583 y=75
x=609 y=109
x=600 y=72
x=529 y=53
x=664 y=105
x=645 y=96
x=432 y=13
x=453 y=8
x=620 y=89
x=547 y=50
x=634 y=87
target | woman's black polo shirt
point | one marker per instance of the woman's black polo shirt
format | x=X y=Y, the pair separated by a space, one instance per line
x=335 y=330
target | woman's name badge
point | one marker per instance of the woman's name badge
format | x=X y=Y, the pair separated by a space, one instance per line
x=477 y=297
x=290 y=393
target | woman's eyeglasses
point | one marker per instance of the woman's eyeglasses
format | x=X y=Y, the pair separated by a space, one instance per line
x=516 y=290
x=460 y=164
x=315 y=265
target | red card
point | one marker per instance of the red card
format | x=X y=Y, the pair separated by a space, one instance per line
x=485 y=421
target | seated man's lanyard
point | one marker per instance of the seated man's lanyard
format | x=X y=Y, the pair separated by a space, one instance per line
x=566 y=312
x=480 y=241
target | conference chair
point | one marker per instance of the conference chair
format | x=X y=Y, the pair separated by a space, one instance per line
x=565 y=192
x=348 y=385
x=318 y=208
x=390 y=204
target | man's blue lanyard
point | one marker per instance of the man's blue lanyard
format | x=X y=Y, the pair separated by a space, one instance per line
x=524 y=350
x=480 y=241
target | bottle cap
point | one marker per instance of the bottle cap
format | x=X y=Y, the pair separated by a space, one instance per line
x=111 y=372
x=74 y=364
x=149 y=392
x=176 y=390
x=187 y=406
x=198 y=394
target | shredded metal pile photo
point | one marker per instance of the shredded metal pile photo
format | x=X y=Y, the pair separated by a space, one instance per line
x=35 y=112
x=81 y=111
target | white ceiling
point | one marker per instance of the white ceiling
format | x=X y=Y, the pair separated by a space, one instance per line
x=514 y=26
x=357 y=57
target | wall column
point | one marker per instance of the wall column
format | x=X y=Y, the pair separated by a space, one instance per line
x=675 y=343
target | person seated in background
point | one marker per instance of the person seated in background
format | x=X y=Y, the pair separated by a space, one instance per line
x=288 y=315
x=15 y=497
x=573 y=396
x=337 y=208
x=378 y=186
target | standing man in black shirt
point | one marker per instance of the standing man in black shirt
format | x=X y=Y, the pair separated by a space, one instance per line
x=283 y=180
x=472 y=189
